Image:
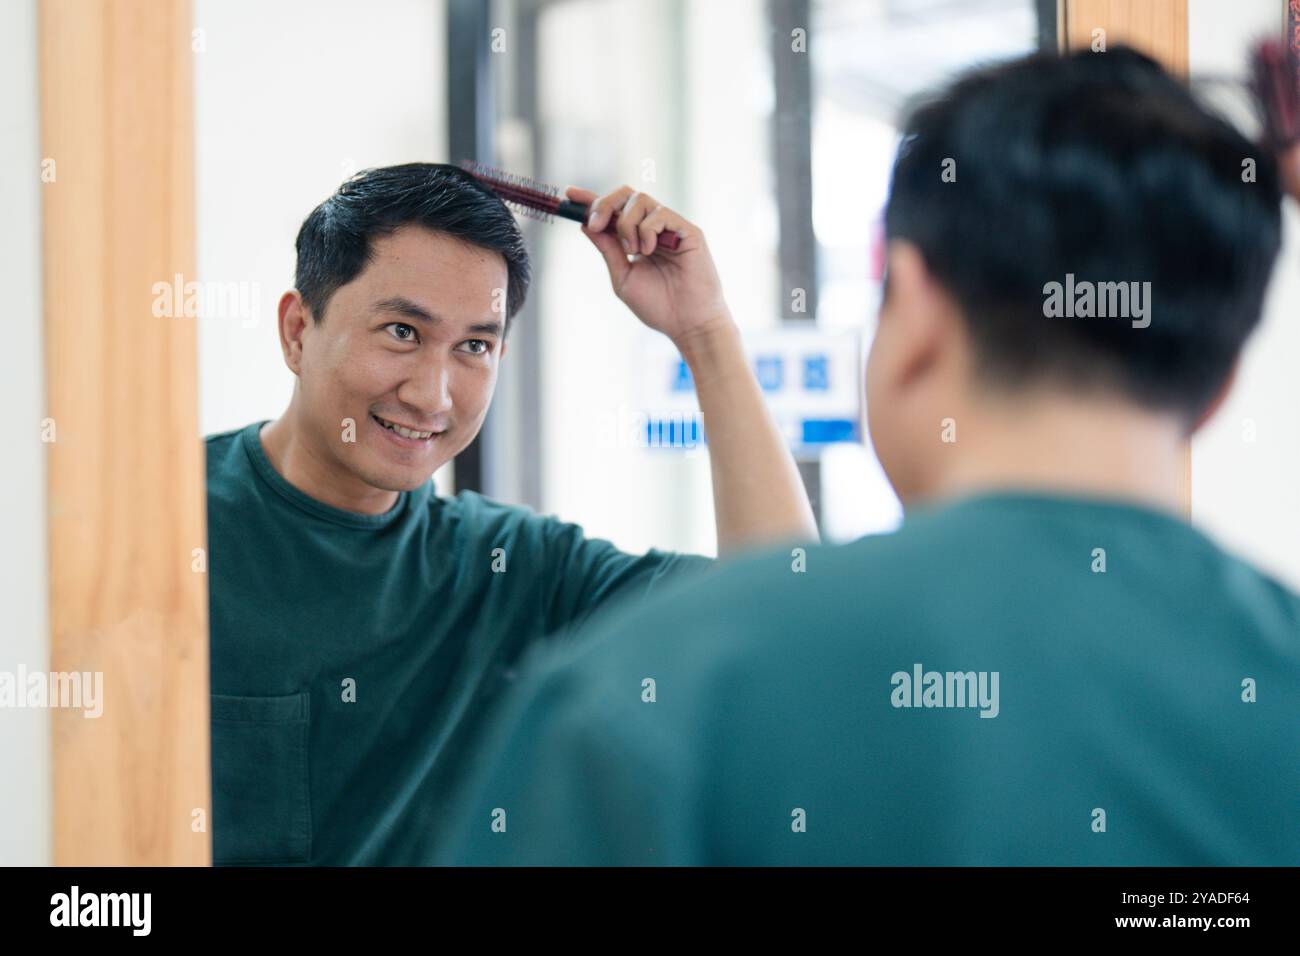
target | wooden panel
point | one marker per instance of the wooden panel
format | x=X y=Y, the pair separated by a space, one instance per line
x=125 y=473
x=1159 y=29
x=1156 y=27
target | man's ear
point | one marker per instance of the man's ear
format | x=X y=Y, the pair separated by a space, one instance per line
x=294 y=317
x=921 y=312
x=1220 y=397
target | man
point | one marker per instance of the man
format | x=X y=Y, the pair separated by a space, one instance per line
x=1046 y=664
x=361 y=624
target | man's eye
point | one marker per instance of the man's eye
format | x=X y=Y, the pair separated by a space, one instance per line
x=476 y=346
x=402 y=332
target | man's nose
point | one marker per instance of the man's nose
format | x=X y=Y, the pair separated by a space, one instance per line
x=430 y=391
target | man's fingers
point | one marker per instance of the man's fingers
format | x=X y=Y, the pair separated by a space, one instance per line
x=578 y=194
x=640 y=218
x=605 y=206
x=658 y=220
x=635 y=209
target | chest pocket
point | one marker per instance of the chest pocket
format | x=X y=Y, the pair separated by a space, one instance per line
x=261 y=802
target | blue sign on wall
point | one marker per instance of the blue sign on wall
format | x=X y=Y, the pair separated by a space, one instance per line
x=770 y=371
x=682 y=381
x=816 y=373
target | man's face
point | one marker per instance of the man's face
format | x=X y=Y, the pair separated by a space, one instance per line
x=913 y=369
x=414 y=341
x=889 y=434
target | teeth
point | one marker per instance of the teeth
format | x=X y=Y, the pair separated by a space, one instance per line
x=404 y=432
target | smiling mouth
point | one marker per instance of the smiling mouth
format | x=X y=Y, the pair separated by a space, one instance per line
x=403 y=430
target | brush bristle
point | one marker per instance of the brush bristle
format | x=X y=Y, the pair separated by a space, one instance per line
x=526 y=196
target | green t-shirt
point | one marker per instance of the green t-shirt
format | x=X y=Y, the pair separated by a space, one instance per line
x=1146 y=708
x=353 y=655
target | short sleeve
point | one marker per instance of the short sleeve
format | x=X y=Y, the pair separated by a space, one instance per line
x=592 y=574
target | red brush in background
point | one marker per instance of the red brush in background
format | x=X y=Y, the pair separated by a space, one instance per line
x=540 y=201
x=1275 y=81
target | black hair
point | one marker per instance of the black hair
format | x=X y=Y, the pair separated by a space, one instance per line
x=334 y=243
x=1103 y=166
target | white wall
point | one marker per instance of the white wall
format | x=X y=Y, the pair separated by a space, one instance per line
x=682 y=116
x=25 y=785
x=292 y=97
x=1246 y=493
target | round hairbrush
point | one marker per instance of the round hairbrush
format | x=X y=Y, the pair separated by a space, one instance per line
x=540 y=201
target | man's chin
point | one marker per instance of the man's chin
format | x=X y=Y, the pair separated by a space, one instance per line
x=391 y=476
x=405 y=479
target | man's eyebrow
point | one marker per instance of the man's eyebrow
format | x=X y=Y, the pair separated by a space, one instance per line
x=404 y=306
x=486 y=328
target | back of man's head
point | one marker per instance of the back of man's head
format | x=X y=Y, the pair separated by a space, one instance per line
x=1033 y=189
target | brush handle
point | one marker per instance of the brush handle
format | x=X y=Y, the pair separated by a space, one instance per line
x=579 y=212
